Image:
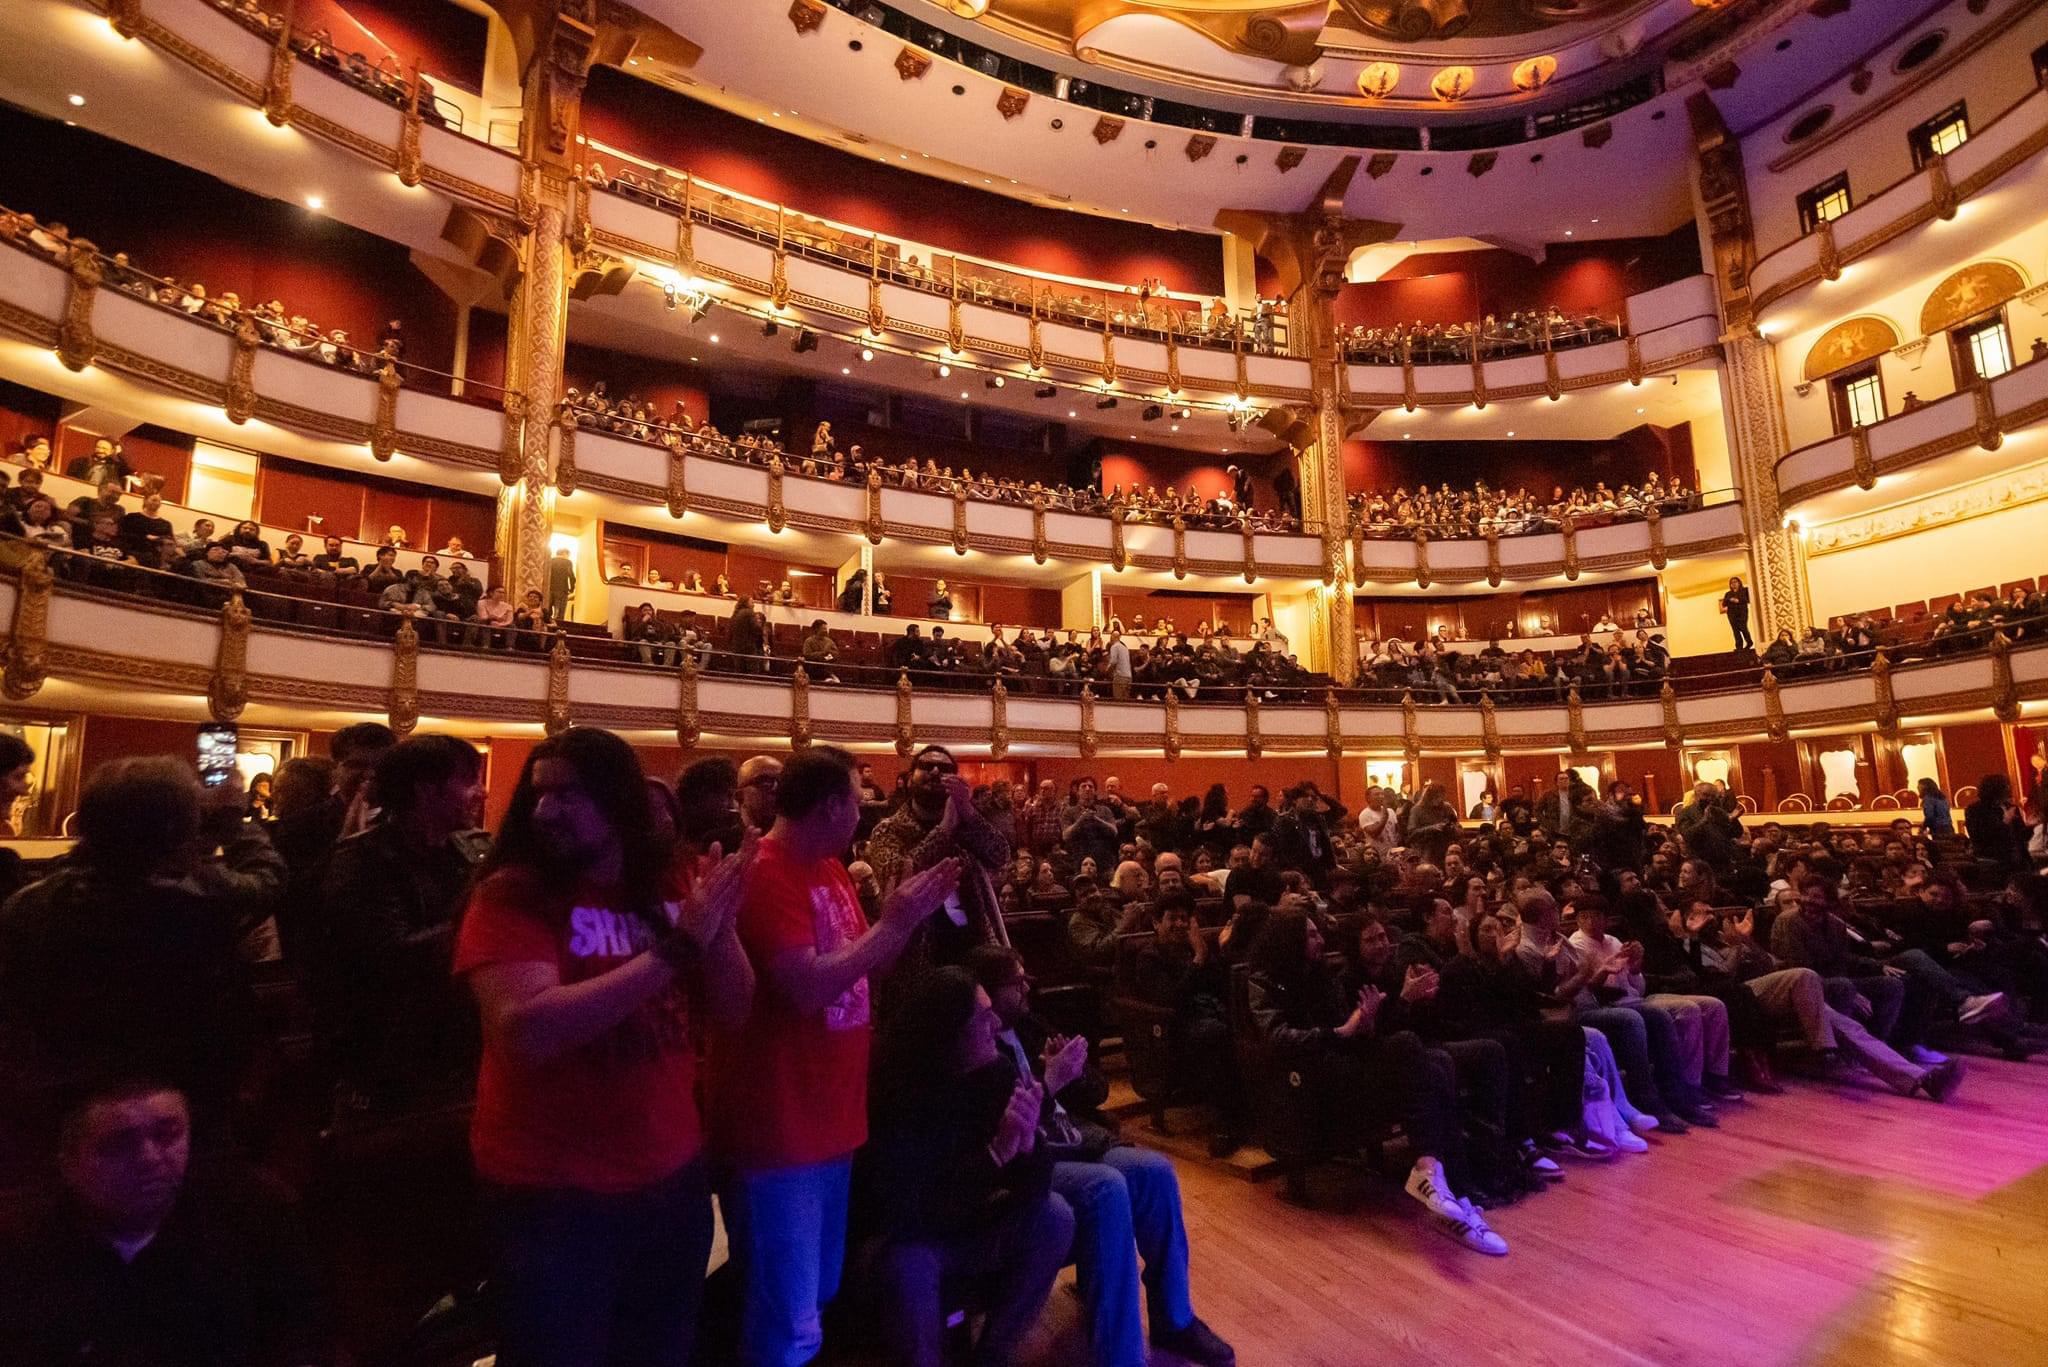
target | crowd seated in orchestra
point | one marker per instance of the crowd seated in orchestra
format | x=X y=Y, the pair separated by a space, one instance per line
x=1518 y=334
x=293 y=334
x=1549 y=984
x=1146 y=309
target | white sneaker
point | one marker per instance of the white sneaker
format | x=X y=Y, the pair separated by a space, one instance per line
x=1426 y=1184
x=1980 y=1008
x=1630 y=1142
x=1926 y=1057
x=1642 y=1122
x=1469 y=1228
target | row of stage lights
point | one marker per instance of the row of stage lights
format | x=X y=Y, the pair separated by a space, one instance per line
x=700 y=302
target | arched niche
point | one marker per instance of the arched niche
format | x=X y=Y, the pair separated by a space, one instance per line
x=1975 y=289
x=1849 y=343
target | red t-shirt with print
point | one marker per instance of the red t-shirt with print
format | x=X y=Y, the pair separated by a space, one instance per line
x=614 y=1115
x=789 y=1088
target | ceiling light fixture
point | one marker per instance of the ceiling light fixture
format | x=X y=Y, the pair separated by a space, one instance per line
x=1153 y=413
x=1106 y=401
x=1046 y=391
x=77 y=101
x=806 y=340
x=867 y=353
x=941 y=371
x=315 y=202
x=993 y=382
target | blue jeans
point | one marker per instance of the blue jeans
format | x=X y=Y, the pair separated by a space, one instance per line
x=1127 y=1205
x=787 y=1231
x=1628 y=1035
x=589 y=1278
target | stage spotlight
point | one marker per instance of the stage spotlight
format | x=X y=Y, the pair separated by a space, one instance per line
x=993 y=382
x=770 y=328
x=1184 y=413
x=1046 y=391
x=867 y=353
x=668 y=297
x=806 y=340
x=700 y=306
x=941 y=371
x=1153 y=413
x=1106 y=401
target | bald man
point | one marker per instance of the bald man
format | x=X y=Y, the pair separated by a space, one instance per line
x=759 y=778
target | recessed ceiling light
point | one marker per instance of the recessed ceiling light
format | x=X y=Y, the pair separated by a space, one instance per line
x=693 y=358
x=77 y=101
x=1640 y=410
x=315 y=202
x=1596 y=220
x=714 y=339
x=1176 y=427
x=1072 y=414
x=846 y=370
x=963 y=393
x=1407 y=436
x=1511 y=434
x=867 y=353
x=1567 y=232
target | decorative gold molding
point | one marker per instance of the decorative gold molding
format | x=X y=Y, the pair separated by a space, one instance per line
x=1087 y=721
x=1251 y=551
x=906 y=726
x=2005 y=698
x=1667 y=699
x=277 y=85
x=1860 y=462
x=125 y=16
x=1478 y=375
x=689 y=729
x=799 y=708
x=227 y=692
x=1180 y=547
x=555 y=708
x=878 y=317
x=956 y=327
x=1172 y=365
x=511 y=444
x=1421 y=539
x=1553 y=383
x=1635 y=359
x=999 y=721
x=778 y=280
x=1172 y=746
x=1109 y=371
x=1886 y=713
x=241 y=398
x=1040 y=545
x=678 y=491
x=1963 y=503
x=1492 y=556
x=1489 y=727
x=1985 y=426
x=1034 y=347
x=77 y=343
x=384 y=427
x=778 y=515
x=959 y=520
x=874 y=510
x=24 y=662
x=1254 y=745
x=1333 y=725
x=1941 y=192
x=1570 y=527
x=1119 y=557
x=410 y=165
x=1830 y=258
x=402 y=710
x=1411 y=725
x=565 y=453
x=1575 y=721
x=1774 y=707
x=1653 y=518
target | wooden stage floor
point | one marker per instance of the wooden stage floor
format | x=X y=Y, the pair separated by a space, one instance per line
x=1835 y=1224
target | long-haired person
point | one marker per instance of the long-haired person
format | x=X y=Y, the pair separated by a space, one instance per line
x=592 y=966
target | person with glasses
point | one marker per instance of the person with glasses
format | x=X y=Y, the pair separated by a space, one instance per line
x=940 y=822
x=759 y=778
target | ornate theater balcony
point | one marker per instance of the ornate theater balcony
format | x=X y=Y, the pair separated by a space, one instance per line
x=82 y=624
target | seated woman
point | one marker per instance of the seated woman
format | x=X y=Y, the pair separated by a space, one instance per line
x=955 y=1182
x=1298 y=1007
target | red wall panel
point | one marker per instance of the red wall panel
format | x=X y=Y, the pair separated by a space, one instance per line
x=287 y=495
x=446 y=40
x=1972 y=750
x=1013 y=606
x=384 y=508
x=1578 y=277
x=658 y=384
x=110 y=738
x=1134 y=465
x=1538 y=466
x=174 y=221
x=861 y=192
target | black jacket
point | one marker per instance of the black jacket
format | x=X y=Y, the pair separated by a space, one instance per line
x=927 y=1172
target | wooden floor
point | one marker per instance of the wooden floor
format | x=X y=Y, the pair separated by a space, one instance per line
x=1834 y=1224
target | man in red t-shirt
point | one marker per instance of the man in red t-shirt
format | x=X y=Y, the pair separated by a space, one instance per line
x=591 y=972
x=786 y=1091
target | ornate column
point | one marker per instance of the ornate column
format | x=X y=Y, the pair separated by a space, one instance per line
x=557 y=65
x=1749 y=387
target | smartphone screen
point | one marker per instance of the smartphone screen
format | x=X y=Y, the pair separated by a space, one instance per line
x=217 y=745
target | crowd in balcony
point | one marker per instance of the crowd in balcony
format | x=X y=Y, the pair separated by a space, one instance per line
x=1518 y=334
x=380 y=76
x=1555 y=981
x=291 y=333
x=1447 y=512
x=1146 y=309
